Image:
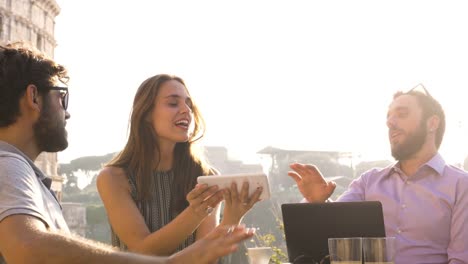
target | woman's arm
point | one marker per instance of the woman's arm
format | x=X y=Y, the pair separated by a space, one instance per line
x=208 y=225
x=128 y=223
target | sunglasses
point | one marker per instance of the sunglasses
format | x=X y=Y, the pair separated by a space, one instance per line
x=420 y=88
x=64 y=93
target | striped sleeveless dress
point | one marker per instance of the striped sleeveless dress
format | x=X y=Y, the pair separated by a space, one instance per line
x=157 y=210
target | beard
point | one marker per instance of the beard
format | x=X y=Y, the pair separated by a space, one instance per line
x=49 y=130
x=411 y=145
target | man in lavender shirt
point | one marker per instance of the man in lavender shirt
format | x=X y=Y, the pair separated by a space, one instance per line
x=425 y=200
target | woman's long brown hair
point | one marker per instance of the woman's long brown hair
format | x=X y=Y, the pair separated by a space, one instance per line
x=141 y=155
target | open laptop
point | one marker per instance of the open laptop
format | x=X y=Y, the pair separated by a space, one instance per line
x=307 y=226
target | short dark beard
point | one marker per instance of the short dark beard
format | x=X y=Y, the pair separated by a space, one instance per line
x=49 y=131
x=412 y=144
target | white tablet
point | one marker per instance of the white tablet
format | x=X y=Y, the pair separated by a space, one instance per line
x=224 y=181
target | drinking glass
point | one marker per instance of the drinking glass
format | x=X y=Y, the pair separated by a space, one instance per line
x=345 y=250
x=379 y=250
x=259 y=255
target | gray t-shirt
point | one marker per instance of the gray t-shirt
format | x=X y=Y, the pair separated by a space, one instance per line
x=22 y=190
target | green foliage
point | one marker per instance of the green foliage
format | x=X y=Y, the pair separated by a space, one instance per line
x=90 y=165
x=70 y=187
x=268 y=240
x=82 y=197
x=99 y=232
x=97 y=227
x=263 y=240
x=266 y=217
x=96 y=214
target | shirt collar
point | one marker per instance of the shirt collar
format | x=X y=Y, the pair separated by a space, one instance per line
x=437 y=163
x=392 y=168
x=4 y=146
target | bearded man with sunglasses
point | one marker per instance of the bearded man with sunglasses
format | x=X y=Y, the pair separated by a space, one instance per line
x=33 y=115
x=424 y=200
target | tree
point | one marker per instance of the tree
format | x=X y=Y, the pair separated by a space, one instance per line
x=90 y=165
x=97 y=227
x=71 y=184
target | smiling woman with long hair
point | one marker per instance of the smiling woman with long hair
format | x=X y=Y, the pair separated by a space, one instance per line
x=149 y=189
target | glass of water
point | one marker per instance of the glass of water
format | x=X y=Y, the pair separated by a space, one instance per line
x=379 y=250
x=345 y=250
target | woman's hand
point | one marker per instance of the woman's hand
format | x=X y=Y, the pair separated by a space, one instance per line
x=238 y=204
x=203 y=199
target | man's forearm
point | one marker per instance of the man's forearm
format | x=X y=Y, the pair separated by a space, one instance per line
x=56 y=248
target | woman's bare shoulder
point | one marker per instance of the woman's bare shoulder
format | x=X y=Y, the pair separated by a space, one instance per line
x=113 y=177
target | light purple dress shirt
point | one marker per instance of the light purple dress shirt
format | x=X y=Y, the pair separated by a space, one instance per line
x=425 y=212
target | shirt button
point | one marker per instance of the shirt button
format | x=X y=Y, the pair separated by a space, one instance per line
x=403 y=206
x=399 y=231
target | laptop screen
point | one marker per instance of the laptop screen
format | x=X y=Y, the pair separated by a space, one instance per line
x=307 y=226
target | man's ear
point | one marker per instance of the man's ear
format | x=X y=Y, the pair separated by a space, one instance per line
x=433 y=123
x=32 y=97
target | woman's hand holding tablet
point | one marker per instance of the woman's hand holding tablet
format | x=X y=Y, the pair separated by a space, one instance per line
x=255 y=180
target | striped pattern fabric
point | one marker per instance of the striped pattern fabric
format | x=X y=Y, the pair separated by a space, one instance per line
x=157 y=210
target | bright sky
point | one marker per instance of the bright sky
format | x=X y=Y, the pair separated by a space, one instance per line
x=315 y=75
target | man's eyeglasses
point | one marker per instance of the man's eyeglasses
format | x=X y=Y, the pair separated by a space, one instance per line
x=64 y=93
x=421 y=89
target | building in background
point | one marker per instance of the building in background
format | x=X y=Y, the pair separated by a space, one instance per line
x=33 y=22
x=334 y=165
x=75 y=215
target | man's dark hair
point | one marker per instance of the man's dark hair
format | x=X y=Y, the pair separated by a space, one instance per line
x=430 y=106
x=21 y=66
